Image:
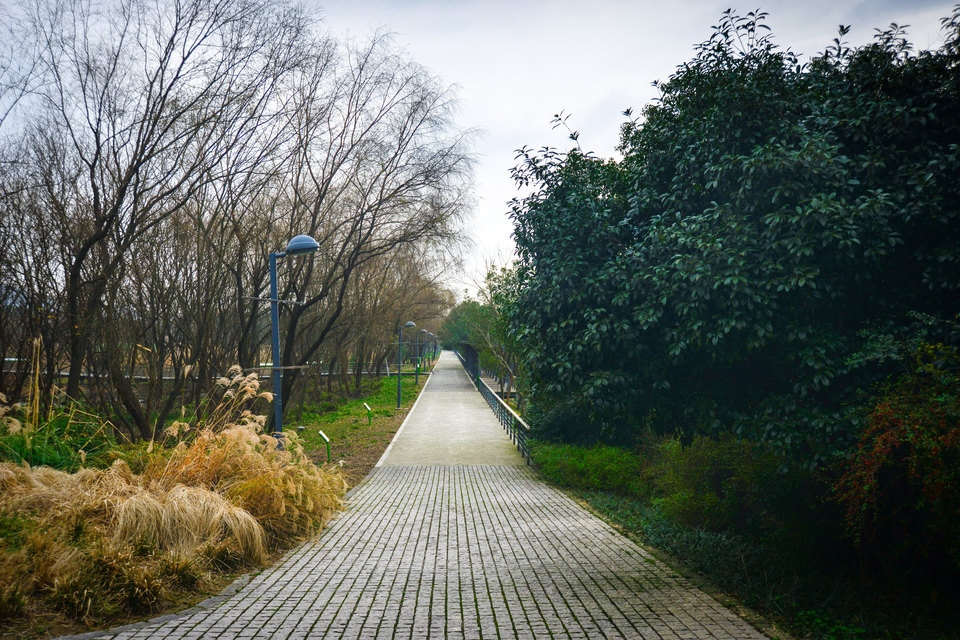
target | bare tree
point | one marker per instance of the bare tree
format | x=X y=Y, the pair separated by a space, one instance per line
x=169 y=147
x=18 y=60
x=378 y=167
x=142 y=101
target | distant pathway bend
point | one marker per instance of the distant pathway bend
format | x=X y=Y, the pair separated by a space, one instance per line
x=452 y=536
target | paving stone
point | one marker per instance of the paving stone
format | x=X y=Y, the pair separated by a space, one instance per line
x=434 y=545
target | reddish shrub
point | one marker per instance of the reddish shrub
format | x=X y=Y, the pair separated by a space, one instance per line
x=901 y=488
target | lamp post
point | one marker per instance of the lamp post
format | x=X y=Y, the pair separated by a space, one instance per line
x=409 y=325
x=422 y=332
x=298 y=245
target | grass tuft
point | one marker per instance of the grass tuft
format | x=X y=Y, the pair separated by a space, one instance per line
x=281 y=488
x=217 y=495
x=12 y=601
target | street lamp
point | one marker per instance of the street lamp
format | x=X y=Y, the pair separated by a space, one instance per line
x=298 y=245
x=422 y=332
x=409 y=325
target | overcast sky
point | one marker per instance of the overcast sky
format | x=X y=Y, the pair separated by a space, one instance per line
x=518 y=62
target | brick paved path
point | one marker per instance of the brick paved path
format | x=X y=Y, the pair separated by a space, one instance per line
x=460 y=551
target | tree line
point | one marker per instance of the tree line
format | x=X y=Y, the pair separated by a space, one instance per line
x=155 y=152
x=775 y=258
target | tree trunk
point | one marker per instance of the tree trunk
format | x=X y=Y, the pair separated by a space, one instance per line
x=330 y=369
x=358 y=367
x=77 y=343
x=128 y=398
x=343 y=380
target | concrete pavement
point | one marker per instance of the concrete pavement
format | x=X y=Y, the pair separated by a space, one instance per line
x=450 y=424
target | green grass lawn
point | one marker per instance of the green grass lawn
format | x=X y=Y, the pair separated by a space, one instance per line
x=354 y=443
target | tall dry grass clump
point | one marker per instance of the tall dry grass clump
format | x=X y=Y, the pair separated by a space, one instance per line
x=216 y=494
x=101 y=542
x=227 y=452
x=287 y=494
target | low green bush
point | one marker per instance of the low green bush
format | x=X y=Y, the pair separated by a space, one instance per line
x=901 y=487
x=729 y=510
x=711 y=484
x=814 y=600
x=600 y=467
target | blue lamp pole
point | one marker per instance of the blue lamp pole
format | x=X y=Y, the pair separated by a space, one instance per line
x=409 y=325
x=298 y=245
x=422 y=332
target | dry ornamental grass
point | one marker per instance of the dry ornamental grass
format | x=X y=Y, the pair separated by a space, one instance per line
x=217 y=495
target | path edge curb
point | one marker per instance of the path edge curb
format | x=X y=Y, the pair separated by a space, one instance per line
x=402 y=425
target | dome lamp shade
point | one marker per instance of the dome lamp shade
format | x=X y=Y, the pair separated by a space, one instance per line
x=301 y=244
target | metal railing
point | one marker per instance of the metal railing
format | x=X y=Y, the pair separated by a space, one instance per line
x=512 y=423
x=463 y=362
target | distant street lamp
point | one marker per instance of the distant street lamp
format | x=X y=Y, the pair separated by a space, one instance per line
x=298 y=245
x=409 y=325
x=422 y=332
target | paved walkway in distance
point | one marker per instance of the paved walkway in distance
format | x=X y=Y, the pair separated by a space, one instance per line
x=453 y=537
x=451 y=424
